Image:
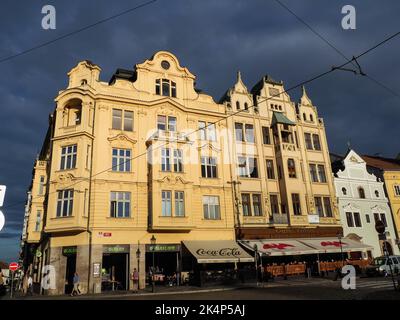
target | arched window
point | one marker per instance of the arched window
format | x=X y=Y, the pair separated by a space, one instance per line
x=237 y=105
x=377 y=193
x=246 y=106
x=72 y=113
x=311 y=118
x=344 y=191
x=166 y=88
x=291 y=168
x=304 y=117
x=361 y=193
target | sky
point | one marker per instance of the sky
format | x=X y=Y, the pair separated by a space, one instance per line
x=213 y=39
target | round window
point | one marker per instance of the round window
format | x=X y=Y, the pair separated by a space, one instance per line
x=165 y=64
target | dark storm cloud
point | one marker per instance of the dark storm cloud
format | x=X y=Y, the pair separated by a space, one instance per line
x=213 y=39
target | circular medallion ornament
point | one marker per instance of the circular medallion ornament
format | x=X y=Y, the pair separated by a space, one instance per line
x=165 y=64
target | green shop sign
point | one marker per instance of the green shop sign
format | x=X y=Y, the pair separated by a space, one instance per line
x=68 y=251
x=119 y=248
x=163 y=247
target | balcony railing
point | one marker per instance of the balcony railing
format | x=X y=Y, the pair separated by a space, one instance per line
x=168 y=135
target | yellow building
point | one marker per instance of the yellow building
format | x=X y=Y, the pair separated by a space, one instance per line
x=388 y=170
x=133 y=168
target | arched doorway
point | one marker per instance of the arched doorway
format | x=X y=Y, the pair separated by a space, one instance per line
x=387 y=247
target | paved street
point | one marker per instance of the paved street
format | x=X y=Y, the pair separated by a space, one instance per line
x=292 y=289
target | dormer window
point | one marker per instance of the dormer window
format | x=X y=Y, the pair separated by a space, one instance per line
x=166 y=88
x=83 y=82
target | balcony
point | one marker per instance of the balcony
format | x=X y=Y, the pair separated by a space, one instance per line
x=163 y=135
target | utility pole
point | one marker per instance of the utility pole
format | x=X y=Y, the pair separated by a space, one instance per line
x=237 y=207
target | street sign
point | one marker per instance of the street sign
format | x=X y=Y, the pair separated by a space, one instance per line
x=2 y=194
x=380 y=226
x=13 y=266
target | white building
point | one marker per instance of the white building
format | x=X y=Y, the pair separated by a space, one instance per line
x=361 y=201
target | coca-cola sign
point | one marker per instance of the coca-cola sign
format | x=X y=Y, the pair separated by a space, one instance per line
x=224 y=252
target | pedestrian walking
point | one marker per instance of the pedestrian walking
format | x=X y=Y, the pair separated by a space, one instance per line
x=30 y=286
x=76 y=280
x=135 y=279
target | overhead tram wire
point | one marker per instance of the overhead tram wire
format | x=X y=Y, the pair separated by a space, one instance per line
x=2 y=60
x=230 y=115
x=283 y=5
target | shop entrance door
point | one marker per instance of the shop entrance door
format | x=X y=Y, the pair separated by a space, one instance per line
x=69 y=273
x=115 y=271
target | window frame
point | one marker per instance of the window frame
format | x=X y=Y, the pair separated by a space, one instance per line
x=119 y=160
x=209 y=167
x=208 y=204
x=65 y=202
x=123 y=199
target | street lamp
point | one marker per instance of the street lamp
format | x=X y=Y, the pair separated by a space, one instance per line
x=138 y=253
x=255 y=261
x=153 y=243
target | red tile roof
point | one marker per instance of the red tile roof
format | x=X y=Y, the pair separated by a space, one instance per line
x=382 y=163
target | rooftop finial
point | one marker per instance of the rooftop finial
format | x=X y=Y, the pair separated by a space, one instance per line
x=305 y=100
x=239 y=76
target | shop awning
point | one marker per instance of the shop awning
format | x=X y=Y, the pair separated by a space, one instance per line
x=279 y=247
x=332 y=245
x=219 y=251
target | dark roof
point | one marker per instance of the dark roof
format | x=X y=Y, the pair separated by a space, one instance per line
x=259 y=85
x=382 y=163
x=125 y=74
x=225 y=97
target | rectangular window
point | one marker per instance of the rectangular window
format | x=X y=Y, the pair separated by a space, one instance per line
x=313 y=173
x=178 y=160
x=65 y=203
x=383 y=219
x=247 y=167
x=357 y=219
x=208 y=167
x=162 y=123
x=239 y=132
x=202 y=130
x=41 y=185
x=179 y=204
x=246 y=204
x=249 y=133
x=328 y=207
x=172 y=124
x=257 y=205
x=68 y=157
x=266 y=135
x=165 y=159
x=165 y=87
x=38 y=220
x=316 y=143
x=273 y=198
x=158 y=87
x=211 y=132
x=296 y=204
x=397 y=190
x=166 y=205
x=117 y=119
x=270 y=169
x=120 y=204
x=128 y=120
x=121 y=160
x=307 y=138
x=349 y=218
x=321 y=173
x=211 y=207
x=318 y=206
x=367 y=218
x=291 y=168
x=173 y=89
